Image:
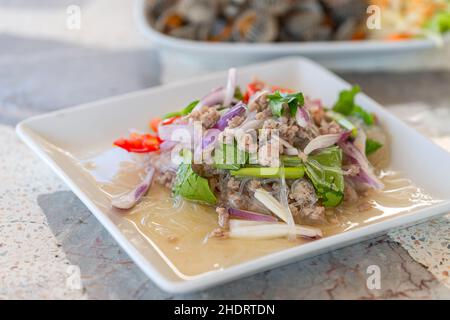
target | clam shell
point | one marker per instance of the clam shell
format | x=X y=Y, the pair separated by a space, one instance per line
x=156 y=8
x=198 y=11
x=255 y=26
x=189 y=32
x=341 y=10
x=230 y=9
x=307 y=23
x=274 y=7
x=220 y=30
x=346 y=30
x=169 y=21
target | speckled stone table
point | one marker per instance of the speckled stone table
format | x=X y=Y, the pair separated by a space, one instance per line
x=46 y=232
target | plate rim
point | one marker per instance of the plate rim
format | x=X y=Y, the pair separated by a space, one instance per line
x=213 y=278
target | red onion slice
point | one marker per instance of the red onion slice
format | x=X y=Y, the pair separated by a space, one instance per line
x=220 y=95
x=325 y=141
x=366 y=174
x=216 y=96
x=312 y=104
x=231 y=87
x=251 y=125
x=302 y=117
x=166 y=132
x=237 y=110
x=360 y=141
x=167 y=145
x=131 y=198
x=210 y=137
x=252 y=216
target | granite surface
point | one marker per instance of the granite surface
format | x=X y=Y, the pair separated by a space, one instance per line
x=46 y=232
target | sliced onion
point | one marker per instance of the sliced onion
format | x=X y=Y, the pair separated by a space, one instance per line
x=325 y=141
x=237 y=110
x=164 y=162
x=167 y=145
x=366 y=174
x=166 y=132
x=256 y=96
x=214 y=97
x=272 y=204
x=310 y=104
x=302 y=117
x=231 y=87
x=251 y=125
x=253 y=216
x=131 y=198
x=235 y=223
x=210 y=137
x=273 y=231
x=289 y=149
x=360 y=141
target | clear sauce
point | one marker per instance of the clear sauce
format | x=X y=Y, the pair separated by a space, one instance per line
x=179 y=231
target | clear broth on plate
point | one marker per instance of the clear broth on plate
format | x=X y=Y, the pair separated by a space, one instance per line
x=179 y=232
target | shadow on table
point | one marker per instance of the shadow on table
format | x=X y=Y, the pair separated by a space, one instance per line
x=429 y=87
x=108 y=272
x=38 y=76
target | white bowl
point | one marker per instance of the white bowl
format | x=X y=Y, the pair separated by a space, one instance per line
x=331 y=53
x=63 y=137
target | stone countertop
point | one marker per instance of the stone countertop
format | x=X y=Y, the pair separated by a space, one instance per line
x=43 y=226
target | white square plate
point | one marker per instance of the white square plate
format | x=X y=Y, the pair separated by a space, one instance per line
x=90 y=128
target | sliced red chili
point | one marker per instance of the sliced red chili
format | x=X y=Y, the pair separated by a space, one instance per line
x=281 y=89
x=252 y=88
x=170 y=120
x=154 y=124
x=139 y=143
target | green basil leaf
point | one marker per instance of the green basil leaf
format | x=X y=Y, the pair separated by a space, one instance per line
x=278 y=100
x=346 y=105
x=191 y=186
x=324 y=169
x=372 y=146
x=183 y=112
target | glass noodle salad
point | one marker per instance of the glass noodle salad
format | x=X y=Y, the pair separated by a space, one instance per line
x=270 y=160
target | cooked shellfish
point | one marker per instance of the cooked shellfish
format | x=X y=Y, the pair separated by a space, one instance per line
x=255 y=26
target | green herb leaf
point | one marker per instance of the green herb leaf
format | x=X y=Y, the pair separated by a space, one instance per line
x=440 y=23
x=189 y=108
x=372 y=146
x=343 y=122
x=367 y=117
x=291 y=161
x=346 y=106
x=183 y=112
x=238 y=94
x=191 y=186
x=270 y=172
x=278 y=100
x=229 y=157
x=324 y=169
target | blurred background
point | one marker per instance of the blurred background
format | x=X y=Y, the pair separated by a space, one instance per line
x=59 y=53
